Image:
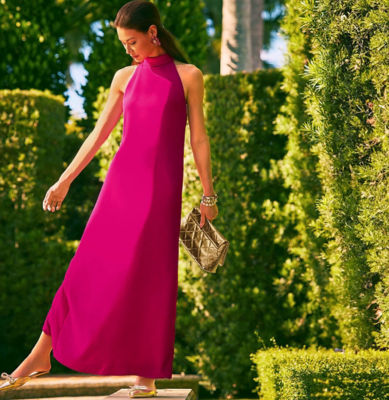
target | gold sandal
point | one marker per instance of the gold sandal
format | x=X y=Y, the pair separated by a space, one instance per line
x=143 y=391
x=13 y=383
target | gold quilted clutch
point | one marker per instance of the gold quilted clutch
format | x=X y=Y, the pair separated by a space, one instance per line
x=206 y=245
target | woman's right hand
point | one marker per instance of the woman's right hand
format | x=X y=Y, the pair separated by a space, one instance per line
x=209 y=212
x=55 y=196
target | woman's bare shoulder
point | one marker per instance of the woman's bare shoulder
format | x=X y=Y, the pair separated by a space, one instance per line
x=185 y=71
x=186 y=67
x=124 y=75
x=189 y=73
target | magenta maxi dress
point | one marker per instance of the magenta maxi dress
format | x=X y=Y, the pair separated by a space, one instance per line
x=115 y=311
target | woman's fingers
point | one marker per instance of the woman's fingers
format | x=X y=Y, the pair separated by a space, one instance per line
x=57 y=204
x=44 y=204
x=51 y=202
x=47 y=202
x=55 y=195
x=54 y=204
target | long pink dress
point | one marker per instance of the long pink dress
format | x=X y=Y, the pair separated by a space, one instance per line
x=115 y=311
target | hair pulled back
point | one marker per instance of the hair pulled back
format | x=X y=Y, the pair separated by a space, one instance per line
x=139 y=15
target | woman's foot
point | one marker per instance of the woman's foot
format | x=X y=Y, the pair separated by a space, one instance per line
x=148 y=382
x=31 y=364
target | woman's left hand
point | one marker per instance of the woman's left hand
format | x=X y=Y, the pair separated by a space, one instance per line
x=55 y=196
x=209 y=212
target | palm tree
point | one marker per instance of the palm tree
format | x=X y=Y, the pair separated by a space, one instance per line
x=242 y=36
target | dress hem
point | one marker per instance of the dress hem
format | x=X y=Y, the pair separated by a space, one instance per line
x=94 y=372
x=105 y=374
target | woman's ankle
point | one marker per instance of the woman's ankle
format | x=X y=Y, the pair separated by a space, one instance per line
x=149 y=382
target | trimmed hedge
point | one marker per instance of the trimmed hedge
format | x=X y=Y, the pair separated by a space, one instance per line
x=336 y=119
x=315 y=373
x=306 y=271
x=33 y=251
x=347 y=101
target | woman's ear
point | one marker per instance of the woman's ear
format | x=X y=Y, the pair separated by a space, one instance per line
x=153 y=30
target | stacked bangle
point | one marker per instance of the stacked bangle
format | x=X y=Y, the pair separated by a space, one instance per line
x=209 y=200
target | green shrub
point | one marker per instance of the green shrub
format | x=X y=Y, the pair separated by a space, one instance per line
x=315 y=373
x=305 y=275
x=34 y=254
x=344 y=95
x=336 y=118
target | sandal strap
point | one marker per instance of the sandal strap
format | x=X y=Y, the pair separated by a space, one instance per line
x=142 y=387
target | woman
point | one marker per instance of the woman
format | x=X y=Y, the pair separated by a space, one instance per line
x=114 y=313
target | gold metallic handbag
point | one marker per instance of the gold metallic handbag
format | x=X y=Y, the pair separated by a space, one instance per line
x=206 y=245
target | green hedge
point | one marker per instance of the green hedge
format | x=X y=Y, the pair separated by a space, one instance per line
x=34 y=254
x=315 y=373
x=306 y=271
x=347 y=101
x=373 y=227
x=336 y=119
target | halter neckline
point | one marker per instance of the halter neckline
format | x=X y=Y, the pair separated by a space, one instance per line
x=159 y=60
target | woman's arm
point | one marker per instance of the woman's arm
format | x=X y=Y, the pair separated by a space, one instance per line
x=108 y=119
x=199 y=140
x=104 y=126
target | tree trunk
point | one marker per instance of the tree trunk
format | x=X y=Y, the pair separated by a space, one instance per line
x=242 y=36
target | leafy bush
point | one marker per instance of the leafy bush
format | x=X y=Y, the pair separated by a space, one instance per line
x=336 y=118
x=288 y=373
x=347 y=101
x=34 y=252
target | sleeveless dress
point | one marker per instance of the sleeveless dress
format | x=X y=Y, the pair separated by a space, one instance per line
x=115 y=311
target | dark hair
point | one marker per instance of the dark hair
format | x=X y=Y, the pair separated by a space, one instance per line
x=139 y=15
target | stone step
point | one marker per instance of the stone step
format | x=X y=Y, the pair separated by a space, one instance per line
x=83 y=386
x=70 y=398
x=165 y=394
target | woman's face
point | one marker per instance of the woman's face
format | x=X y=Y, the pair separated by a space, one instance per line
x=137 y=44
